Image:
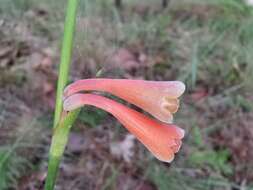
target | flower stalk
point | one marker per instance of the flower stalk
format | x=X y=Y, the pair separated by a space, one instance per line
x=58 y=144
x=66 y=53
x=61 y=128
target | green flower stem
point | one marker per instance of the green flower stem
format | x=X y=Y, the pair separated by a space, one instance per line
x=66 y=53
x=59 y=141
x=52 y=172
x=62 y=125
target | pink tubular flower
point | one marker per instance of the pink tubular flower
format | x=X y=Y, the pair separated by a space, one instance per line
x=159 y=98
x=163 y=140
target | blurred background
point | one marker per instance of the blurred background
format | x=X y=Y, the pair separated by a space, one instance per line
x=206 y=44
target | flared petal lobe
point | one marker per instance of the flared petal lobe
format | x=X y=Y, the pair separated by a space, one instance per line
x=163 y=140
x=159 y=98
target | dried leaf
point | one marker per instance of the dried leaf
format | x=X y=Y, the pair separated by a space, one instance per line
x=123 y=149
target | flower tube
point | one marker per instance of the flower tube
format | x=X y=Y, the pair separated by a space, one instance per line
x=162 y=140
x=159 y=98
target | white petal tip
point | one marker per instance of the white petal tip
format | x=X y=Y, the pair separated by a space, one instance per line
x=180 y=87
x=181 y=132
x=169 y=161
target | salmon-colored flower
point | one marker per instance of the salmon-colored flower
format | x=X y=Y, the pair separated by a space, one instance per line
x=159 y=98
x=163 y=140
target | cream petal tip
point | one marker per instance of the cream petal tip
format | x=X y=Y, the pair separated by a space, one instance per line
x=170 y=160
x=181 y=132
x=167 y=158
x=168 y=119
x=180 y=87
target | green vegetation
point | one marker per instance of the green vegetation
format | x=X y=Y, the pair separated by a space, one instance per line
x=14 y=161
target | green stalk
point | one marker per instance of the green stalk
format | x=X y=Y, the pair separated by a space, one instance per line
x=59 y=141
x=66 y=53
x=63 y=125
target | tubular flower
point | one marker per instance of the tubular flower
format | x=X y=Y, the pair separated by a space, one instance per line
x=159 y=98
x=163 y=140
